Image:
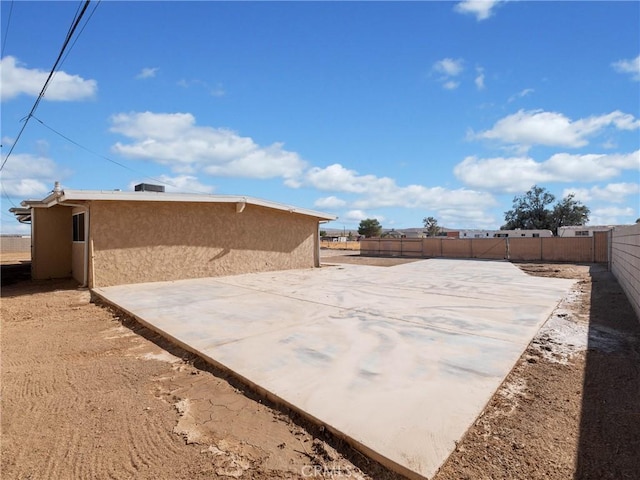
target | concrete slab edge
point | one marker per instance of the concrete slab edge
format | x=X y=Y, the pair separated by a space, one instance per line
x=504 y=380
x=99 y=299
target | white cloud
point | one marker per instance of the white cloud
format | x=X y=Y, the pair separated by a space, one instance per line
x=521 y=94
x=516 y=174
x=608 y=215
x=482 y=9
x=340 y=179
x=631 y=66
x=330 y=202
x=449 y=66
x=174 y=139
x=450 y=85
x=358 y=215
x=500 y=174
x=383 y=192
x=29 y=176
x=613 y=192
x=17 y=80
x=147 y=73
x=537 y=127
x=180 y=184
x=480 y=78
x=467 y=218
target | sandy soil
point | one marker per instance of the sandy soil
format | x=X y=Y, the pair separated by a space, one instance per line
x=86 y=394
x=13 y=258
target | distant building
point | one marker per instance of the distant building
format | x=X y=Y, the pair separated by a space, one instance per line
x=393 y=234
x=334 y=238
x=505 y=233
x=583 y=230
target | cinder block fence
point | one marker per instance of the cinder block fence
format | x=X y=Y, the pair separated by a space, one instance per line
x=582 y=249
x=625 y=262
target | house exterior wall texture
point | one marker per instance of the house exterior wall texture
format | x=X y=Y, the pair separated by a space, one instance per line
x=625 y=262
x=51 y=240
x=77 y=261
x=136 y=242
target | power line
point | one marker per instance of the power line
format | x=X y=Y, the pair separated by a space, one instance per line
x=6 y=32
x=103 y=157
x=46 y=83
x=4 y=192
x=80 y=32
x=83 y=147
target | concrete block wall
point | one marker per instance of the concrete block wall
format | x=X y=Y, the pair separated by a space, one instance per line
x=588 y=250
x=625 y=262
x=15 y=244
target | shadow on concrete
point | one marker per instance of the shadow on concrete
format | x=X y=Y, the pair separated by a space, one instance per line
x=609 y=441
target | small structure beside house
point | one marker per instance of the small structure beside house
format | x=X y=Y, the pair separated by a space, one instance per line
x=105 y=238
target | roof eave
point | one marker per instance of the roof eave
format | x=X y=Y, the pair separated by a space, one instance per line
x=60 y=197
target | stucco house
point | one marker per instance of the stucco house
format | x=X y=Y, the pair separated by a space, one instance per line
x=104 y=238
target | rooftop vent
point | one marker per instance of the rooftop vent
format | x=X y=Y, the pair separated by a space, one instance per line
x=147 y=187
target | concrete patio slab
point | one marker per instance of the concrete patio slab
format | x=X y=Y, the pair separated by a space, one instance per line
x=399 y=361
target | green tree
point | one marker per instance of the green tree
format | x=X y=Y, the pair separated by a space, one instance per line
x=532 y=211
x=431 y=224
x=323 y=233
x=569 y=211
x=350 y=236
x=370 y=227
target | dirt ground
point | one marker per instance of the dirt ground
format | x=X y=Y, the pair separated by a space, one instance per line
x=86 y=394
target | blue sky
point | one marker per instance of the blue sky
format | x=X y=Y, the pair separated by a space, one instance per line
x=392 y=110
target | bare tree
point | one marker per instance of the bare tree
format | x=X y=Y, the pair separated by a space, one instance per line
x=431 y=224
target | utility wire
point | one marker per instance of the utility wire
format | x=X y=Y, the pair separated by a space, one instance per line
x=80 y=32
x=6 y=32
x=46 y=83
x=4 y=192
x=82 y=146
x=137 y=172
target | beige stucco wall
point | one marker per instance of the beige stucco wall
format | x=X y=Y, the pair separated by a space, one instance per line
x=77 y=261
x=51 y=243
x=134 y=242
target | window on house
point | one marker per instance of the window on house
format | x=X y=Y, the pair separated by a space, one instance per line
x=78 y=227
x=536 y=235
x=582 y=233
